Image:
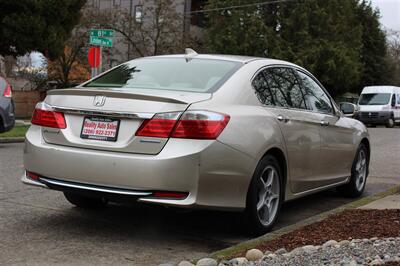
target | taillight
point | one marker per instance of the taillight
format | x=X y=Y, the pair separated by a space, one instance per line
x=160 y=126
x=7 y=92
x=200 y=125
x=45 y=116
x=191 y=125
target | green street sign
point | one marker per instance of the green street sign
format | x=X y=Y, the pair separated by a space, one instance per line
x=101 y=33
x=99 y=41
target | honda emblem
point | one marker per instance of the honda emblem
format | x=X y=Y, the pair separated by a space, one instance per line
x=99 y=100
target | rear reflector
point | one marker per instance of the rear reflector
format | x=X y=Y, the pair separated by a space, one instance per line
x=170 y=195
x=32 y=176
x=191 y=125
x=48 y=118
x=7 y=92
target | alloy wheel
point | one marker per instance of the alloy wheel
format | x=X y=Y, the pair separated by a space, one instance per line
x=361 y=170
x=268 y=195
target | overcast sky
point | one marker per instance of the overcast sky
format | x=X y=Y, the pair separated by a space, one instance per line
x=390 y=13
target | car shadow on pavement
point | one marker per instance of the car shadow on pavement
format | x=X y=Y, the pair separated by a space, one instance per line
x=214 y=229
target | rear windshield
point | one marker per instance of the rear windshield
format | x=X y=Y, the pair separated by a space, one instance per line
x=195 y=75
x=374 y=99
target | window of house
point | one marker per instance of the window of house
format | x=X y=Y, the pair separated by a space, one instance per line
x=138 y=13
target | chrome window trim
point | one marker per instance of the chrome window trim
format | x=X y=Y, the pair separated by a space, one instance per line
x=108 y=113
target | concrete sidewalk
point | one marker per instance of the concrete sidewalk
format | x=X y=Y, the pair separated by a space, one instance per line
x=389 y=202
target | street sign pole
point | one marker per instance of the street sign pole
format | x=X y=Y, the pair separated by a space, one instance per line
x=101 y=60
x=100 y=38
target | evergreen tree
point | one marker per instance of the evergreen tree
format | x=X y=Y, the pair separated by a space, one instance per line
x=374 y=51
x=329 y=38
x=37 y=25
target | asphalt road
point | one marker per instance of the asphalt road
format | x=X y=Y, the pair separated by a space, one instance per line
x=39 y=227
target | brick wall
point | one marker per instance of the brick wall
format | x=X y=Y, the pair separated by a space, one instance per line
x=25 y=102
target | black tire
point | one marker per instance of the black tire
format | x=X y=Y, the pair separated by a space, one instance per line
x=85 y=202
x=353 y=189
x=254 y=222
x=390 y=123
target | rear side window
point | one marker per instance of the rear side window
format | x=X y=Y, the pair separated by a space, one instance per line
x=315 y=96
x=195 y=75
x=279 y=87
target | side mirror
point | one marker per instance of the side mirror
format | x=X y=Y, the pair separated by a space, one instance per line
x=348 y=109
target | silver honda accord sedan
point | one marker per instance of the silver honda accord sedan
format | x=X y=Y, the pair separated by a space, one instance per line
x=197 y=131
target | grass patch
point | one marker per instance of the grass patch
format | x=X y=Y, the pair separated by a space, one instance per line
x=17 y=131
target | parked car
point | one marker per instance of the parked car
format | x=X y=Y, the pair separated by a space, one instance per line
x=197 y=131
x=7 y=117
x=380 y=105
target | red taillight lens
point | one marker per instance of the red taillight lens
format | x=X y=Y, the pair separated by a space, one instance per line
x=191 y=125
x=160 y=126
x=7 y=92
x=170 y=195
x=48 y=118
x=200 y=125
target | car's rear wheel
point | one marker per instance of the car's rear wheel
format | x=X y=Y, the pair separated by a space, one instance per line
x=85 y=202
x=359 y=174
x=390 y=123
x=264 y=196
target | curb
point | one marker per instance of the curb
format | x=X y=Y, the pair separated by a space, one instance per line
x=252 y=243
x=12 y=140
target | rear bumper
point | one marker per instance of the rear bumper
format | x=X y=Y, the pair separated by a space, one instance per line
x=213 y=174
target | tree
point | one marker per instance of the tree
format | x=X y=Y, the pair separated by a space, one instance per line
x=37 y=25
x=158 y=29
x=71 y=66
x=374 y=50
x=393 y=57
x=329 y=38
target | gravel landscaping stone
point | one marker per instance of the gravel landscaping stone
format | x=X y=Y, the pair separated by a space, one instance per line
x=375 y=251
x=254 y=254
x=207 y=262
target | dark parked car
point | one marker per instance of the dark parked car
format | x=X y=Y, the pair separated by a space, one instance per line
x=7 y=117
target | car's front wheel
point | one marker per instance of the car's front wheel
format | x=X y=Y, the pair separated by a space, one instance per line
x=85 y=202
x=264 y=196
x=359 y=174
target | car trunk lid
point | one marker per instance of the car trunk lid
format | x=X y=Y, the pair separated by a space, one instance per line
x=125 y=109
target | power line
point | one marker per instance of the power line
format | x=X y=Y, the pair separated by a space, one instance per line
x=240 y=6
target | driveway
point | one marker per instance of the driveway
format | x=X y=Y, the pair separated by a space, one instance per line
x=39 y=227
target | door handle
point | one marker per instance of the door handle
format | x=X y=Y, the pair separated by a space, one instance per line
x=324 y=123
x=282 y=118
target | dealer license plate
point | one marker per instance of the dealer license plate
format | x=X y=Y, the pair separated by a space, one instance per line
x=100 y=128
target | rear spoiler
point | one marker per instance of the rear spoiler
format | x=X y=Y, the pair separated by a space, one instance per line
x=180 y=97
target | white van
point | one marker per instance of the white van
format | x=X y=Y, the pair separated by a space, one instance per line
x=379 y=105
